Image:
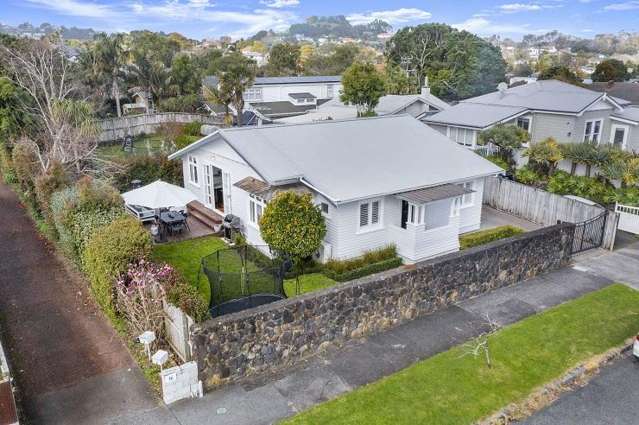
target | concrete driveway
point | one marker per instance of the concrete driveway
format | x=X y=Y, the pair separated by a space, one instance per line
x=609 y=399
x=491 y=217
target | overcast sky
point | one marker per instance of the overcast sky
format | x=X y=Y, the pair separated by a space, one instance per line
x=212 y=18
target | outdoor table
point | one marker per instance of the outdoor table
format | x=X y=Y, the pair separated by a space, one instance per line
x=168 y=219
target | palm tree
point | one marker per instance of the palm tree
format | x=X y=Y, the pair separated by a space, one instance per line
x=220 y=95
x=109 y=60
x=577 y=153
x=237 y=74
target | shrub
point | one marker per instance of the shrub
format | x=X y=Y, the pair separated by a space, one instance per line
x=371 y=262
x=482 y=237
x=529 y=176
x=46 y=185
x=192 y=129
x=545 y=155
x=498 y=161
x=183 y=140
x=78 y=211
x=186 y=103
x=188 y=299
x=626 y=196
x=25 y=166
x=591 y=188
x=6 y=165
x=108 y=254
x=148 y=169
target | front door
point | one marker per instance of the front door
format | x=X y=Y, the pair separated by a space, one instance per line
x=213 y=188
x=208 y=186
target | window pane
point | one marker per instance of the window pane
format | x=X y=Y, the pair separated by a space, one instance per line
x=597 y=127
x=412 y=214
x=619 y=136
x=363 y=214
x=375 y=213
x=252 y=211
x=258 y=208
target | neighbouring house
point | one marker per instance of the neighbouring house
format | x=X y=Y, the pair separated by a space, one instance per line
x=141 y=102
x=623 y=90
x=378 y=181
x=278 y=97
x=417 y=105
x=260 y=59
x=545 y=108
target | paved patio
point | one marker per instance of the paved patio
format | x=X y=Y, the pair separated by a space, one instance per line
x=491 y=218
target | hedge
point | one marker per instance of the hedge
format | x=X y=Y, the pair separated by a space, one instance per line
x=337 y=267
x=366 y=270
x=481 y=237
x=109 y=253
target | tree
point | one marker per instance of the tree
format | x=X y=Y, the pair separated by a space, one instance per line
x=236 y=75
x=109 y=59
x=12 y=119
x=362 y=85
x=522 y=70
x=331 y=60
x=397 y=81
x=283 y=59
x=610 y=70
x=546 y=155
x=457 y=63
x=185 y=75
x=292 y=225
x=507 y=137
x=560 y=73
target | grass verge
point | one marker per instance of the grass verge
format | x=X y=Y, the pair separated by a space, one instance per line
x=308 y=283
x=451 y=388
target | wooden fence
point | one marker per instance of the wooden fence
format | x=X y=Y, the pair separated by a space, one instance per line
x=545 y=208
x=133 y=125
x=177 y=325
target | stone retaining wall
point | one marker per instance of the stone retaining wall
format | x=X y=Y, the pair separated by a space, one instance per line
x=282 y=333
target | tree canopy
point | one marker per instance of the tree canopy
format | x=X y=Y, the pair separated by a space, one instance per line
x=284 y=59
x=610 y=70
x=560 y=73
x=362 y=85
x=457 y=63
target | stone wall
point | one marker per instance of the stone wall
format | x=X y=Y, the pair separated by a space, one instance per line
x=282 y=333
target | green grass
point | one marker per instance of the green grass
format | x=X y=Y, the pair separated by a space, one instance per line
x=481 y=237
x=185 y=257
x=451 y=389
x=308 y=283
x=142 y=145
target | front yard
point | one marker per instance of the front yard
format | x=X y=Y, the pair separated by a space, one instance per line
x=453 y=388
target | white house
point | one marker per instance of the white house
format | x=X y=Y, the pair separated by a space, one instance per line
x=378 y=181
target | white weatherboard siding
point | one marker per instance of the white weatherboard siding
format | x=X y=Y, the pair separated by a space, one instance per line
x=470 y=216
x=280 y=92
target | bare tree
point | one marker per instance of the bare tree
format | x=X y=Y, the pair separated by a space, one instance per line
x=479 y=345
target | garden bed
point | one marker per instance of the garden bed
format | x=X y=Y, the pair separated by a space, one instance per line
x=454 y=388
x=481 y=237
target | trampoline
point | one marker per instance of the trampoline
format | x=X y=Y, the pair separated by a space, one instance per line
x=243 y=277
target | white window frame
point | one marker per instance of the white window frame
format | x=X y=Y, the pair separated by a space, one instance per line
x=320 y=205
x=416 y=214
x=455 y=207
x=330 y=91
x=253 y=94
x=370 y=226
x=466 y=132
x=193 y=171
x=256 y=207
x=589 y=137
x=626 y=130
x=529 y=119
x=468 y=199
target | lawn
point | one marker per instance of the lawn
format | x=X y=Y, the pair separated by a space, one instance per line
x=142 y=145
x=451 y=389
x=308 y=283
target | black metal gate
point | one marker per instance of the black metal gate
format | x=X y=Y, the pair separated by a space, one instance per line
x=589 y=234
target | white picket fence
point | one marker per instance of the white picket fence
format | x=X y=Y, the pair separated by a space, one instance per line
x=628 y=218
x=545 y=208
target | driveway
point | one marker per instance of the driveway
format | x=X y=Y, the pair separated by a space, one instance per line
x=609 y=399
x=491 y=217
x=69 y=365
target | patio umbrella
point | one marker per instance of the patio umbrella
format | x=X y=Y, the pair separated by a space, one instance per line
x=159 y=194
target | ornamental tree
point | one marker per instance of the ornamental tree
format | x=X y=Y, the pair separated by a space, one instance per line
x=363 y=86
x=292 y=225
x=507 y=137
x=546 y=154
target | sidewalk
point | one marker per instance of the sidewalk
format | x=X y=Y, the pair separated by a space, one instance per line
x=269 y=399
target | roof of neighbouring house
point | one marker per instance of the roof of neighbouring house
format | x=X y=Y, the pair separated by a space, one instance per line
x=303 y=95
x=391 y=103
x=212 y=80
x=354 y=159
x=283 y=108
x=541 y=95
x=630 y=113
x=623 y=90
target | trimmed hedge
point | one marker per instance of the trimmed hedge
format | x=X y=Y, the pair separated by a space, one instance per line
x=482 y=237
x=109 y=253
x=366 y=270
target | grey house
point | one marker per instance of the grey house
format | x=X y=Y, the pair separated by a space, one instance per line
x=545 y=109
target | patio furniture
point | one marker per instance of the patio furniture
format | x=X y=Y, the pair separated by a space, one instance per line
x=159 y=194
x=172 y=221
x=143 y=214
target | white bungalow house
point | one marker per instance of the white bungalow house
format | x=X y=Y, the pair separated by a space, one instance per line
x=378 y=181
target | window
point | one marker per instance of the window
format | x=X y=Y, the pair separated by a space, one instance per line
x=523 y=123
x=468 y=199
x=455 y=207
x=254 y=94
x=330 y=91
x=323 y=206
x=463 y=136
x=256 y=207
x=618 y=136
x=370 y=214
x=592 y=132
x=193 y=170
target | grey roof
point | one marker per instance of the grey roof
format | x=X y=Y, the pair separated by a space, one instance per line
x=623 y=90
x=391 y=103
x=354 y=159
x=212 y=80
x=474 y=115
x=436 y=193
x=303 y=95
x=630 y=113
x=280 y=108
x=542 y=95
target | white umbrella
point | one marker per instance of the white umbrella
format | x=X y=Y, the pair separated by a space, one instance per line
x=159 y=194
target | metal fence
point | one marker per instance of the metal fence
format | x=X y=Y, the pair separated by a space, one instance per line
x=546 y=208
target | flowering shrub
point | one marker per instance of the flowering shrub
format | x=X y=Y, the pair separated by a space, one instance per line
x=139 y=295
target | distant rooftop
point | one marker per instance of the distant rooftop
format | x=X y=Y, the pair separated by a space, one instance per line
x=212 y=80
x=625 y=90
x=303 y=95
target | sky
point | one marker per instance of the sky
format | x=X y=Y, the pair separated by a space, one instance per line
x=201 y=19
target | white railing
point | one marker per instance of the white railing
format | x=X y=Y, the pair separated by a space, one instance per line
x=416 y=243
x=628 y=218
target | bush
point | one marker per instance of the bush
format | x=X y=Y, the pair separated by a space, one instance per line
x=188 y=299
x=25 y=166
x=148 y=169
x=46 y=185
x=108 y=254
x=6 y=165
x=498 y=161
x=371 y=262
x=482 y=237
x=183 y=140
x=591 y=188
x=626 y=196
x=77 y=212
x=188 y=103
x=192 y=129
x=529 y=176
